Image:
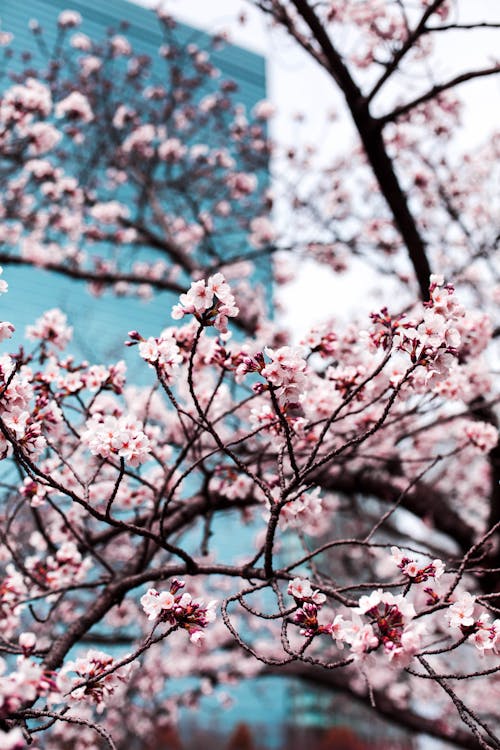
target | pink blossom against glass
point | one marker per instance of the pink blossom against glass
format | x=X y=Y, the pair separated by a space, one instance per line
x=140 y=141
x=3 y=287
x=171 y=150
x=75 y=107
x=117 y=376
x=120 y=46
x=90 y=65
x=241 y=184
x=95 y=377
x=68 y=19
x=22 y=101
x=162 y=353
x=262 y=232
x=6 y=38
x=110 y=212
x=51 y=328
x=81 y=41
x=41 y=137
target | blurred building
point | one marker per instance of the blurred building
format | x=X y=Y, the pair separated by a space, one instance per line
x=109 y=319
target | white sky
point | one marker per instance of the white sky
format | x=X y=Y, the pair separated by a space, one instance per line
x=297 y=84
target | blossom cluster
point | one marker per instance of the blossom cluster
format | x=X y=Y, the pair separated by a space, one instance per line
x=51 y=328
x=65 y=567
x=390 y=624
x=179 y=610
x=12 y=591
x=286 y=373
x=309 y=602
x=415 y=571
x=211 y=302
x=161 y=353
x=26 y=428
x=484 y=634
x=26 y=682
x=347 y=421
x=95 y=678
x=108 y=436
x=305 y=511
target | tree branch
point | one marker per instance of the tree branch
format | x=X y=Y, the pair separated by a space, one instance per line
x=371 y=135
x=418 y=31
x=338 y=681
x=438 y=89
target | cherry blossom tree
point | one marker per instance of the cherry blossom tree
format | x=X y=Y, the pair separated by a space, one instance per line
x=357 y=469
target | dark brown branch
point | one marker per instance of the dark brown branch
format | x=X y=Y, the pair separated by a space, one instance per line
x=424 y=501
x=371 y=135
x=98 y=277
x=435 y=90
x=165 y=245
x=463 y=26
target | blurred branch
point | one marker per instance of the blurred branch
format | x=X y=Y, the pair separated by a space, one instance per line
x=418 y=31
x=435 y=91
x=339 y=681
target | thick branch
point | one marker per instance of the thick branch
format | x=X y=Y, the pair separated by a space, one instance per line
x=338 y=680
x=371 y=136
x=424 y=501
